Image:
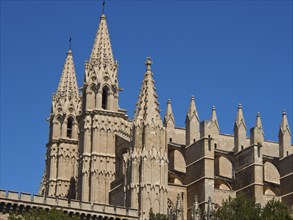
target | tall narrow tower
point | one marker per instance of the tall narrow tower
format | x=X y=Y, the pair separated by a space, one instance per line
x=101 y=119
x=62 y=148
x=147 y=176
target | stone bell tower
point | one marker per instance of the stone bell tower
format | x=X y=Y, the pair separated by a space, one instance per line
x=101 y=119
x=62 y=148
x=147 y=165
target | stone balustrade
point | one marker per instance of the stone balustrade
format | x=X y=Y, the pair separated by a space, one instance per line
x=22 y=202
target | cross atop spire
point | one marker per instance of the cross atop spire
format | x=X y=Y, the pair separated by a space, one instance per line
x=70 y=39
x=103 y=11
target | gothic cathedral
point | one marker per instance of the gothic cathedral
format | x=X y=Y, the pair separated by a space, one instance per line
x=96 y=154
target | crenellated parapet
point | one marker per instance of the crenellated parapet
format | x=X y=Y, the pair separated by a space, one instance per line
x=21 y=203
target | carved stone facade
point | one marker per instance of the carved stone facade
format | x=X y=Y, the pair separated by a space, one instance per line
x=97 y=155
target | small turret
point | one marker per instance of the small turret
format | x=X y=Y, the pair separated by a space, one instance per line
x=239 y=130
x=257 y=133
x=285 y=137
x=192 y=123
x=169 y=120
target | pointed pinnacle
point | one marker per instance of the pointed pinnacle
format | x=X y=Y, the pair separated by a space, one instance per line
x=192 y=107
x=169 y=111
x=258 y=123
x=240 y=117
x=284 y=123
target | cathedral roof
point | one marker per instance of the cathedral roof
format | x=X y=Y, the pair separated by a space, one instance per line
x=147 y=107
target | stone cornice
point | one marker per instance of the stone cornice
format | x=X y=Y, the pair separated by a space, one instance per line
x=62 y=140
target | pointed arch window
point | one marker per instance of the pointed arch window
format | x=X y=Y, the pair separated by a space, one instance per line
x=105 y=93
x=69 y=127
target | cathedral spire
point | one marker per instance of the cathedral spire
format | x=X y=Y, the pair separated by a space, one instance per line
x=67 y=88
x=101 y=73
x=147 y=107
x=102 y=54
x=169 y=117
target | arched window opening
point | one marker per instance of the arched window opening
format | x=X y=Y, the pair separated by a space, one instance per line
x=69 y=127
x=105 y=97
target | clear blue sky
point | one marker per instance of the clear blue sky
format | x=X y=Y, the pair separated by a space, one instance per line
x=222 y=52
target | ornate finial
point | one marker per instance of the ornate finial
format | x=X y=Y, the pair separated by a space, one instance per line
x=284 y=112
x=239 y=106
x=214 y=108
x=192 y=97
x=103 y=12
x=169 y=101
x=148 y=63
x=258 y=114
